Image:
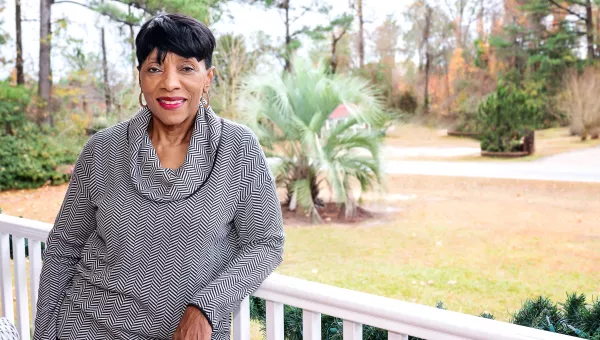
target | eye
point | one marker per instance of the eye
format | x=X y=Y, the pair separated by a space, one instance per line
x=188 y=69
x=153 y=69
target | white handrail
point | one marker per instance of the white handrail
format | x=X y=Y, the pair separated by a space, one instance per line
x=390 y=314
x=22 y=227
x=355 y=307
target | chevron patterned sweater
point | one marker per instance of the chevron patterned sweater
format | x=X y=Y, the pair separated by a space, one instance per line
x=134 y=244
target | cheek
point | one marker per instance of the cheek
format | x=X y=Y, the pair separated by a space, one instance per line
x=147 y=85
x=195 y=90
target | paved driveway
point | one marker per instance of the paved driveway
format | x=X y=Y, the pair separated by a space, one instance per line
x=575 y=166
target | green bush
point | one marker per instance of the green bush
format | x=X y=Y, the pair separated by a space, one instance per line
x=13 y=104
x=30 y=158
x=505 y=118
x=407 y=102
x=467 y=122
x=575 y=317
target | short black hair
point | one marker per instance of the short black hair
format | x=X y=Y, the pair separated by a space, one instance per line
x=176 y=33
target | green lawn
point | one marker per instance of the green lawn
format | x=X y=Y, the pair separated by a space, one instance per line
x=471 y=248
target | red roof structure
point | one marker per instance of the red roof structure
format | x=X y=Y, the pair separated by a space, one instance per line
x=340 y=112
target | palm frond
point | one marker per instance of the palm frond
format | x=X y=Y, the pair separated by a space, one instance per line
x=289 y=113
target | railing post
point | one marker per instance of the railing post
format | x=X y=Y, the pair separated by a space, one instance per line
x=352 y=330
x=396 y=336
x=241 y=321
x=6 y=285
x=274 y=320
x=311 y=325
x=35 y=268
x=21 y=287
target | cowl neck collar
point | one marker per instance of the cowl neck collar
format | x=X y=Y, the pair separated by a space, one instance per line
x=163 y=184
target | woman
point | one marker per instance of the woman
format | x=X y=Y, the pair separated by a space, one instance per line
x=8 y=331
x=170 y=218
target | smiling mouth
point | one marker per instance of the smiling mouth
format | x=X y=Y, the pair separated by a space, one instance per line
x=171 y=103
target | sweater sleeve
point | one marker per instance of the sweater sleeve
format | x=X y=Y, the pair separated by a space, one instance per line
x=258 y=223
x=72 y=227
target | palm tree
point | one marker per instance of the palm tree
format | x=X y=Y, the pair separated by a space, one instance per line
x=289 y=112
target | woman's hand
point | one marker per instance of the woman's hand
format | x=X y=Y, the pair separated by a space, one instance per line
x=193 y=326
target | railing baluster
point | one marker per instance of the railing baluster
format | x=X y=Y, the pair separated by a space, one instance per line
x=241 y=321
x=274 y=320
x=21 y=287
x=311 y=325
x=35 y=267
x=352 y=330
x=396 y=336
x=6 y=284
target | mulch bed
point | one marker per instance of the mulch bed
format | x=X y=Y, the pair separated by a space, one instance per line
x=330 y=213
x=505 y=154
x=473 y=135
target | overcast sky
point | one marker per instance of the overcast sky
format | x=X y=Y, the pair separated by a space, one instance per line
x=84 y=24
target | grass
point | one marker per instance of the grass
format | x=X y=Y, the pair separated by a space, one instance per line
x=413 y=135
x=549 y=142
x=475 y=244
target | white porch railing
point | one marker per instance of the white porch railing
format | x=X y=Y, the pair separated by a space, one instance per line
x=400 y=318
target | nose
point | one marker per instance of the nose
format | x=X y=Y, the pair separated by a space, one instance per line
x=170 y=80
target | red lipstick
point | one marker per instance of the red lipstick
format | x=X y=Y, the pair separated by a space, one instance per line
x=171 y=103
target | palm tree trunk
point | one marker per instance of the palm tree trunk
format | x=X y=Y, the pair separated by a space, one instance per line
x=293 y=201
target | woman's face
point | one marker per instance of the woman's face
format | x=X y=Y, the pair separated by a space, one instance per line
x=173 y=89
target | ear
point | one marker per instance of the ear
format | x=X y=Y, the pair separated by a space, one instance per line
x=210 y=75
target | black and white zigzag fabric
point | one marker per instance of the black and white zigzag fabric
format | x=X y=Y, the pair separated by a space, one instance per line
x=8 y=331
x=134 y=244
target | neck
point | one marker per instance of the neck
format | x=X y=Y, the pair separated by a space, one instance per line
x=172 y=135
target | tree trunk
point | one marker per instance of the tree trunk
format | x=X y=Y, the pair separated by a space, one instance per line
x=133 y=66
x=589 y=26
x=426 y=92
x=426 y=33
x=293 y=202
x=107 y=96
x=45 y=75
x=480 y=21
x=132 y=42
x=288 y=38
x=361 y=35
x=333 y=61
x=19 y=66
x=449 y=95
